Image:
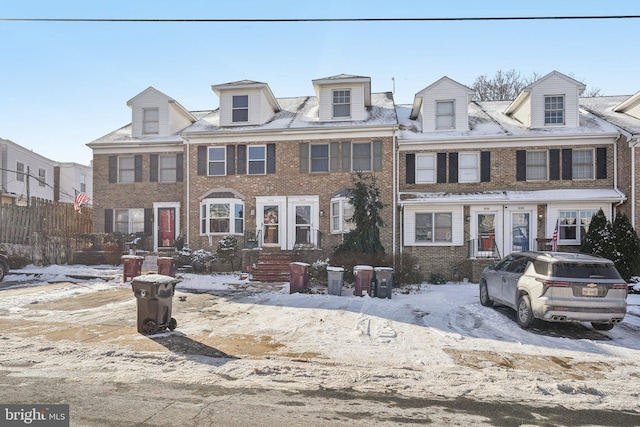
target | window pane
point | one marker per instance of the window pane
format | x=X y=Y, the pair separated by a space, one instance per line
x=425 y=169
x=219 y=218
x=361 y=156
x=121 y=221
x=150 y=121
x=320 y=158
x=582 y=164
x=536 y=165
x=240 y=108
x=445 y=115
x=137 y=220
x=424 y=227
x=239 y=218
x=554 y=110
x=443 y=223
x=469 y=167
x=168 y=171
x=126 y=171
x=257 y=160
x=341 y=103
x=217 y=161
x=567 y=225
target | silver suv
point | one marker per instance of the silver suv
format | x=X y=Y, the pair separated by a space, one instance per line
x=557 y=287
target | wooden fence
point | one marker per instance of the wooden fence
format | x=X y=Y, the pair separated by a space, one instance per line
x=43 y=221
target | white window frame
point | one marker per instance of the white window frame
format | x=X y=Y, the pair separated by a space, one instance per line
x=83 y=183
x=341 y=100
x=124 y=170
x=239 y=110
x=341 y=212
x=235 y=216
x=434 y=234
x=537 y=166
x=577 y=220
x=445 y=118
x=256 y=160
x=468 y=167
x=167 y=168
x=583 y=164
x=426 y=168
x=554 y=110
x=150 y=121
x=132 y=219
x=217 y=161
x=322 y=161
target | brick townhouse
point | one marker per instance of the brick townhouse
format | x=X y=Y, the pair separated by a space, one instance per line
x=275 y=172
x=463 y=181
x=478 y=180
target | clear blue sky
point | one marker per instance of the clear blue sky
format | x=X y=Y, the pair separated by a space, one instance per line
x=64 y=84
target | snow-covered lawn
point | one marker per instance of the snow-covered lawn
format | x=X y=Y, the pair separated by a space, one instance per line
x=426 y=340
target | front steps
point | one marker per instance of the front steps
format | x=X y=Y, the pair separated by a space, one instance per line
x=272 y=266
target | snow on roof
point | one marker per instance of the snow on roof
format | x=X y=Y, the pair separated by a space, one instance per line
x=539 y=196
x=603 y=107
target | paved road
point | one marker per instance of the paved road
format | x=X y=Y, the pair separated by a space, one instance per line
x=169 y=404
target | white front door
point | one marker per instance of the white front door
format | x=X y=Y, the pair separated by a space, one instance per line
x=271 y=221
x=303 y=221
x=520 y=228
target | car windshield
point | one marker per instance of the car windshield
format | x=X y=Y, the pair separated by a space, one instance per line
x=584 y=271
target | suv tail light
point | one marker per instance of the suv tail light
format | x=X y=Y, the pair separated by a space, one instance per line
x=546 y=284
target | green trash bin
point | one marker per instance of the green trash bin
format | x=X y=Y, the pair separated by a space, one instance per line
x=383 y=281
x=335 y=277
x=154 y=298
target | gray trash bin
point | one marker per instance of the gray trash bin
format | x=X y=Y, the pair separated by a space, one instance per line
x=384 y=281
x=154 y=296
x=335 y=276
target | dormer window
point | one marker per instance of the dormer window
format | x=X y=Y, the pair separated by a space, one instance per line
x=150 y=121
x=445 y=115
x=341 y=103
x=554 y=110
x=240 y=108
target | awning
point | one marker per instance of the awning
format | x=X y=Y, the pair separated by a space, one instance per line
x=602 y=195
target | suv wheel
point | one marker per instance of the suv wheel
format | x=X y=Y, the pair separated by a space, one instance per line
x=484 y=295
x=524 y=313
x=602 y=326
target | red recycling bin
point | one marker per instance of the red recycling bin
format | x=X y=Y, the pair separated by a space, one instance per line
x=131 y=267
x=363 y=276
x=167 y=266
x=298 y=276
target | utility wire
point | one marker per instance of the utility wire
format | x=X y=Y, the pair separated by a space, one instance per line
x=287 y=20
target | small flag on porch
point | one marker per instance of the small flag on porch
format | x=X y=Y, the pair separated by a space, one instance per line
x=554 y=238
x=81 y=199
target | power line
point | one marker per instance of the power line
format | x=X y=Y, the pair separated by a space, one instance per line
x=289 y=20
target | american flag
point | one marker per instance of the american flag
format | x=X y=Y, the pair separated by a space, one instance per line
x=80 y=200
x=554 y=238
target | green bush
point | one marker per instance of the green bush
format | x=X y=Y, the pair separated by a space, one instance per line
x=437 y=279
x=318 y=272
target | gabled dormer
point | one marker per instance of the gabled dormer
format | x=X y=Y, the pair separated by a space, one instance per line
x=630 y=107
x=551 y=101
x=155 y=114
x=343 y=97
x=443 y=106
x=245 y=102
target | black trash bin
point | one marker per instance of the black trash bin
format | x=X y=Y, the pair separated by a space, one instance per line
x=384 y=281
x=154 y=296
x=298 y=276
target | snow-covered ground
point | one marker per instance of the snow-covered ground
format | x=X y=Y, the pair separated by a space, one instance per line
x=427 y=340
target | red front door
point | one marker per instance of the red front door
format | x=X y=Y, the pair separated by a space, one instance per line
x=167 y=230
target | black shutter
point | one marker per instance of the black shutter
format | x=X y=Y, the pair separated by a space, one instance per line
x=153 y=168
x=346 y=157
x=148 y=221
x=521 y=165
x=137 y=161
x=601 y=163
x=554 y=164
x=410 y=168
x=441 y=165
x=377 y=155
x=485 y=166
x=231 y=159
x=108 y=220
x=334 y=157
x=567 y=162
x=242 y=159
x=113 y=169
x=202 y=160
x=179 y=167
x=271 y=158
x=303 y=157
x=453 y=167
